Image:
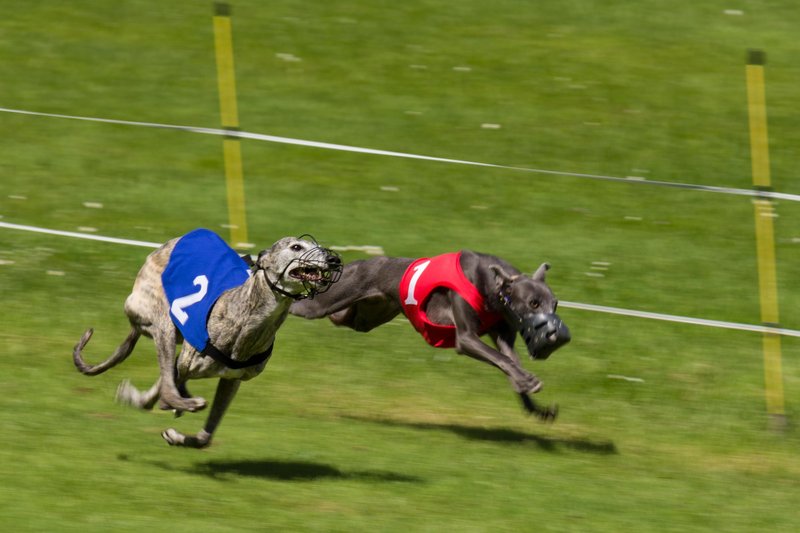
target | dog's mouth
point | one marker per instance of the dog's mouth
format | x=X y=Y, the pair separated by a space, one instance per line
x=310 y=274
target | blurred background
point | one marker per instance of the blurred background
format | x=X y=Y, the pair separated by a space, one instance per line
x=663 y=426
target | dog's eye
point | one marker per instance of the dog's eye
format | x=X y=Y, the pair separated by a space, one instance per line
x=534 y=304
x=296 y=248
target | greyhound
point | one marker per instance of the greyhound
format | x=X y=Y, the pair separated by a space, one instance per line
x=238 y=325
x=452 y=300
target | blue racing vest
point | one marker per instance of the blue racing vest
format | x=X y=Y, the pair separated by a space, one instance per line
x=201 y=267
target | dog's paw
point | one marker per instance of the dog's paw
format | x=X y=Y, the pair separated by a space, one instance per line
x=528 y=385
x=127 y=394
x=173 y=437
x=176 y=438
x=545 y=414
x=192 y=405
x=549 y=414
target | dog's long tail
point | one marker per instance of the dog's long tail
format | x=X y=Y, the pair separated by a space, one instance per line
x=119 y=355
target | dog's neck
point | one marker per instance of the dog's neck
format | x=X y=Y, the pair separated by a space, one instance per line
x=258 y=312
x=260 y=294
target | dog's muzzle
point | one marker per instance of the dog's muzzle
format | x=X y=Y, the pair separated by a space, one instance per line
x=543 y=333
x=317 y=270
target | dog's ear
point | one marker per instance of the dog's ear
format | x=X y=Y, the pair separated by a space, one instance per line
x=540 y=272
x=266 y=258
x=502 y=278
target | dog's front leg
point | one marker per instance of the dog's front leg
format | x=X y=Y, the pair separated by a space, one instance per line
x=504 y=339
x=468 y=343
x=226 y=390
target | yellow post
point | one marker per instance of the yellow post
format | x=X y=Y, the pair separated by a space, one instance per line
x=765 y=236
x=226 y=81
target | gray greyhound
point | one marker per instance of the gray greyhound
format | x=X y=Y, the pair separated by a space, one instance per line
x=436 y=297
x=241 y=325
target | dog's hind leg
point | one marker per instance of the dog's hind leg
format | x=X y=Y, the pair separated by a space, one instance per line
x=127 y=394
x=170 y=395
x=226 y=390
x=120 y=354
x=367 y=314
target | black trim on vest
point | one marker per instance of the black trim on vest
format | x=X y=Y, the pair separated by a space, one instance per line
x=214 y=353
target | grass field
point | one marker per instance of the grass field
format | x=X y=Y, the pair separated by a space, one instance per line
x=379 y=432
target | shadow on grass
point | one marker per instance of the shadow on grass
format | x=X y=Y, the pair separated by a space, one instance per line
x=290 y=471
x=500 y=435
x=298 y=471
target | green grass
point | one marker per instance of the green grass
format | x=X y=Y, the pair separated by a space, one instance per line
x=379 y=432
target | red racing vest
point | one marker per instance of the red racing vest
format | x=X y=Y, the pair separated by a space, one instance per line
x=425 y=275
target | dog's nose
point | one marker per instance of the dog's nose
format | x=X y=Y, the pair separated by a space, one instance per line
x=548 y=326
x=541 y=320
x=562 y=334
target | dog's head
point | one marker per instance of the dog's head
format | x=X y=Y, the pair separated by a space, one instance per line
x=299 y=267
x=530 y=306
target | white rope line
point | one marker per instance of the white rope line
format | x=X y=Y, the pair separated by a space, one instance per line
x=569 y=305
x=371 y=151
x=77 y=235
x=680 y=319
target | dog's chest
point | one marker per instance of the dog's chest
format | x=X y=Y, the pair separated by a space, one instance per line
x=238 y=333
x=199 y=366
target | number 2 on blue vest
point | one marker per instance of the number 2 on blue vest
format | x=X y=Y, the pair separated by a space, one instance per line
x=179 y=304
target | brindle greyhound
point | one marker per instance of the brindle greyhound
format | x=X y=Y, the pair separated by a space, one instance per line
x=372 y=292
x=242 y=322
